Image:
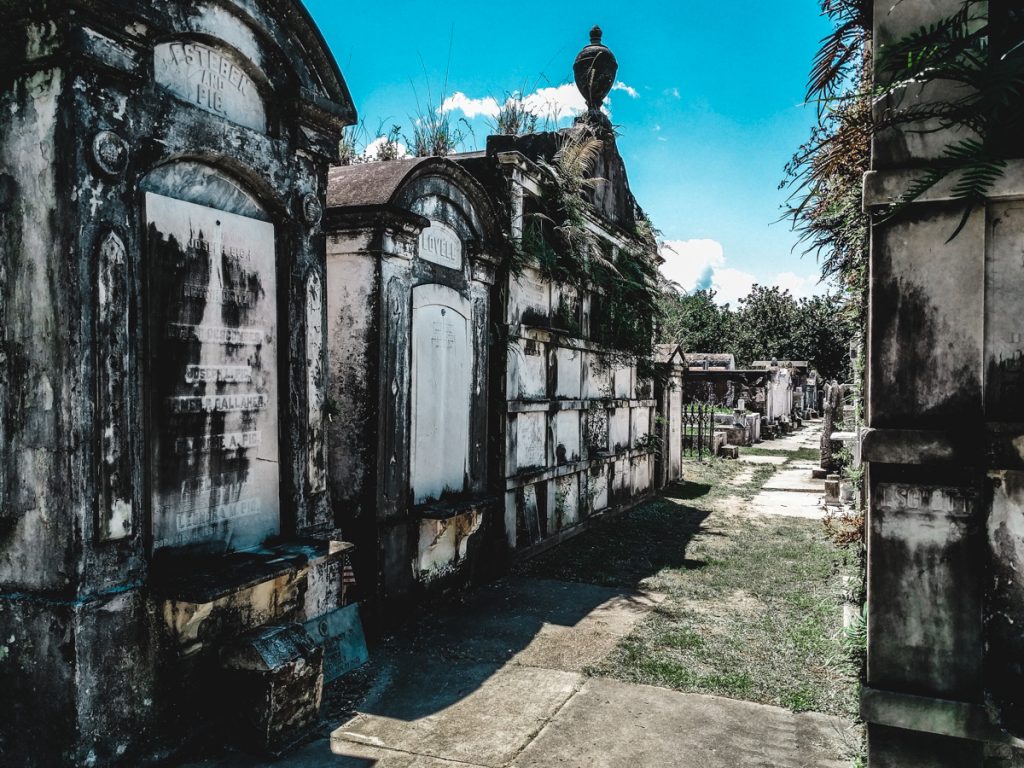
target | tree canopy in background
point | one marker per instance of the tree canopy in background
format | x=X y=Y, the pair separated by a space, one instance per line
x=768 y=323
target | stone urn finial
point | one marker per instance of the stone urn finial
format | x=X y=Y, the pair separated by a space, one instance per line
x=595 y=69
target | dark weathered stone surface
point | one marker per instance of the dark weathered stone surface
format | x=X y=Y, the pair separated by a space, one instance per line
x=943 y=407
x=226 y=106
x=411 y=256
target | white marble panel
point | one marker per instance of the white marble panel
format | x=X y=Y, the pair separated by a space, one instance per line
x=567 y=436
x=442 y=369
x=213 y=343
x=569 y=364
x=618 y=428
x=531 y=445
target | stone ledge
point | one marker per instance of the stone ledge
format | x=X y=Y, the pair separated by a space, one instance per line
x=446 y=510
x=913 y=446
x=943 y=717
x=883 y=187
x=204 y=579
x=542 y=474
x=555 y=405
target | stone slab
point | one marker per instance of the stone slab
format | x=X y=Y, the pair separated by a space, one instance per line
x=324 y=753
x=788 y=504
x=762 y=459
x=610 y=724
x=798 y=479
x=468 y=713
x=590 y=639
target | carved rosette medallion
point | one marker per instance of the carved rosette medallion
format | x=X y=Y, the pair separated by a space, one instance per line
x=311 y=209
x=110 y=153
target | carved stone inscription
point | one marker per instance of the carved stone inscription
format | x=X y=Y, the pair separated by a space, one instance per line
x=442 y=366
x=442 y=245
x=1004 y=328
x=211 y=79
x=213 y=376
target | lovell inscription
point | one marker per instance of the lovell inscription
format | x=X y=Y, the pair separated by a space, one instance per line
x=213 y=376
x=440 y=244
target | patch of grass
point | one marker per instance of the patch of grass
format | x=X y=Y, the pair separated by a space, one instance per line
x=767 y=610
x=800 y=454
x=753 y=606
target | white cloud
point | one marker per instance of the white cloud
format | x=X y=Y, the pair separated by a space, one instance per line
x=553 y=103
x=621 y=86
x=487 y=106
x=731 y=285
x=371 y=150
x=657 y=128
x=700 y=264
x=691 y=263
x=801 y=287
x=556 y=102
x=673 y=92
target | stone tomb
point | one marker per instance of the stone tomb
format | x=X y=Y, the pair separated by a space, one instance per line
x=408 y=305
x=441 y=381
x=162 y=467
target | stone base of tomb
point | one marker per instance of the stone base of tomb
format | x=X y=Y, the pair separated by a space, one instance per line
x=240 y=662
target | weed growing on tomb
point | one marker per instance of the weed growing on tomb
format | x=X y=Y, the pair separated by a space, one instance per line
x=562 y=240
x=514 y=117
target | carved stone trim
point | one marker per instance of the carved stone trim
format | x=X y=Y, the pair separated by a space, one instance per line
x=114 y=492
x=317 y=458
x=311 y=208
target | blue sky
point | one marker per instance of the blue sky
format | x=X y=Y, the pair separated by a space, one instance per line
x=709 y=110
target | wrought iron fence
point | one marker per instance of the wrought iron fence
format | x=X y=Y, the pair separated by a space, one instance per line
x=698 y=427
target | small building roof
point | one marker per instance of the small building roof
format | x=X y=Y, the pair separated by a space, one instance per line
x=719 y=360
x=663 y=353
x=372 y=183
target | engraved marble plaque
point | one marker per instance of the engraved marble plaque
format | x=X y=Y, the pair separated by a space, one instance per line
x=442 y=366
x=440 y=244
x=212 y=79
x=1004 y=328
x=213 y=437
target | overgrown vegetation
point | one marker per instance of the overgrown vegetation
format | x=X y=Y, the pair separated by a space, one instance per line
x=562 y=241
x=975 y=59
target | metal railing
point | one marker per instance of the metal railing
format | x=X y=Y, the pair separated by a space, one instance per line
x=698 y=427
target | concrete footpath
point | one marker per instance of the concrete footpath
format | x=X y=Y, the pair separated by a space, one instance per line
x=791 y=491
x=497 y=679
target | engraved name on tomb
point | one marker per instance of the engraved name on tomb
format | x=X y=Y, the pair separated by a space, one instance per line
x=211 y=79
x=440 y=244
x=213 y=362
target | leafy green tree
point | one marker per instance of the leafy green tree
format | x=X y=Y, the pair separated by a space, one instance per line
x=695 y=321
x=768 y=323
x=823 y=335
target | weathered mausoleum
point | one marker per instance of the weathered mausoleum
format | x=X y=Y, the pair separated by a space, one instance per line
x=164 y=518
x=481 y=407
x=411 y=259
